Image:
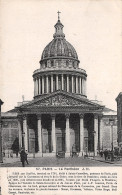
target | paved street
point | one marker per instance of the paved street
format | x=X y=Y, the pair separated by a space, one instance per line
x=58 y=162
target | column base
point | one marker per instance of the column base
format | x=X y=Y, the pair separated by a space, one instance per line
x=95 y=153
x=39 y=154
x=51 y=154
x=81 y=153
x=67 y=154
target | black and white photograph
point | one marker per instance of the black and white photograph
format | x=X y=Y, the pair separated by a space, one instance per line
x=60 y=84
x=52 y=108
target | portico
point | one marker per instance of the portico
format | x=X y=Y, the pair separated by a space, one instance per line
x=58 y=127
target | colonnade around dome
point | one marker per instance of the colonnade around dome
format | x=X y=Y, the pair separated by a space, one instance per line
x=50 y=83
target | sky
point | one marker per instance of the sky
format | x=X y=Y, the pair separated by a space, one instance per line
x=93 y=27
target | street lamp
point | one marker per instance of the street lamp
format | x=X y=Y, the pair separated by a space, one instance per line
x=111 y=122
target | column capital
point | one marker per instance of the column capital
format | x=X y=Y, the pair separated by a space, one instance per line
x=53 y=116
x=100 y=116
x=39 y=116
x=19 y=117
x=67 y=115
x=81 y=115
x=95 y=116
x=24 y=116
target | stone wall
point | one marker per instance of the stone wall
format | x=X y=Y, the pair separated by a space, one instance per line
x=106 y=131
x=9 y=133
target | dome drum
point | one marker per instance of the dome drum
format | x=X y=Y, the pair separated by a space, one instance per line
x=59 y=63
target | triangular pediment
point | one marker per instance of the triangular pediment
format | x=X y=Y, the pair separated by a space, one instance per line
x=62 y=99
x=59 y=100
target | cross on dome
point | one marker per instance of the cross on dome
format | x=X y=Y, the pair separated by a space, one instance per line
x=58 y=15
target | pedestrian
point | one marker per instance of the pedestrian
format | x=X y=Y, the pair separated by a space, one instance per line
x=112 y=155
x=11 y=154
x=106 y=154
x=26 y=157
x=22 y=156
x=17 y=154
x=101 y=153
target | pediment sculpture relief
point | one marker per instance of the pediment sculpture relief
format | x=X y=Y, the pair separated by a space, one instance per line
x=61 y=100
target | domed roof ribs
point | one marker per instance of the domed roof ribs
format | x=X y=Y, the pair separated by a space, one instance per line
x=49 y=48
x=74 y=54
x=43 y=53
x=68 y=48
x=59 y=47
x=62 y=48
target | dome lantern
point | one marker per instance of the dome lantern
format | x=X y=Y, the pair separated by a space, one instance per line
x=59 y=28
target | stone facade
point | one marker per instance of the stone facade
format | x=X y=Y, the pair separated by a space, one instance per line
x=119 y=118
x=60 y=115
x=107 y=132
x=11 y=125
x=9 y=131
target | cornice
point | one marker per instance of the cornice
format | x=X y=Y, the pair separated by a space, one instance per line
x=59 y=57
x=50 y=71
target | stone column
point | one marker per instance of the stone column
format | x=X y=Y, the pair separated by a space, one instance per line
x=67 y=140
x=72 y=84
x=53 y=135
x=81 y=134
x=34 y=87
x=20 y=132
x=25 y=131
x=47 y=84
x=56 y=82
x=80 y=85
x=67 y=83
x=51 y=83
x=76 y=84
x=95 y=134
x=39 y=133
x=62 y=82
x=37 y=91
x=39 y=86
x=42 y=84
x=100 y=132
x=84 y=87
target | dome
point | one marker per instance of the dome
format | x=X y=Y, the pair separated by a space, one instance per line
x=59 y=68
x=59 y=47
